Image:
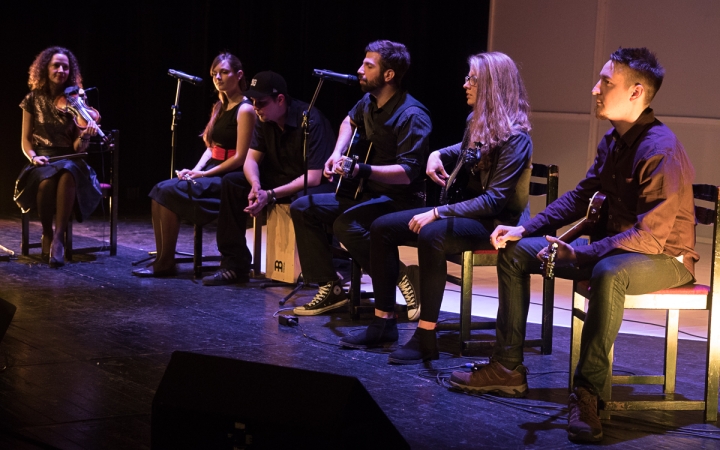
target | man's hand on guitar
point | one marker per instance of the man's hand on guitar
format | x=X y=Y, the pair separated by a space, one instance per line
x=565 y=256
x=329 y=170
x=420 y=220
x=346 y=164
x=435 y=169
x=504 y=233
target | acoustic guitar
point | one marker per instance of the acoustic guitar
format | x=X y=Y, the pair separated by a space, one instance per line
x=591 y=218
x=358 y=151
x=454 y=189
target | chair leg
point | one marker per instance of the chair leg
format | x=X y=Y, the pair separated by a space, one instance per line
x=576 y=326
x=713 y=366
x=546 y=333
x=606 y=393
x=113 y=222
x=69 y=240
x=25 y=239
x=671 y=343
x=466 y=277
x=257 y=247
x=355 y=293
x=197 y=250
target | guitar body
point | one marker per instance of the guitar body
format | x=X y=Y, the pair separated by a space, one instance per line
x=359 y=150
x=455 y=191
x=592 y=217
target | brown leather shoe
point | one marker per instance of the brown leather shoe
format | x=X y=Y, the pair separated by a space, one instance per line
x=583 y=419
x=492 y=378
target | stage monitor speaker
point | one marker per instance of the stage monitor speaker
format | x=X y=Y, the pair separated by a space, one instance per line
x=7 y=311
x=209 y=402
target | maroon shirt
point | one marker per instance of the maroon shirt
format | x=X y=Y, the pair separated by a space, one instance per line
x=647 y=178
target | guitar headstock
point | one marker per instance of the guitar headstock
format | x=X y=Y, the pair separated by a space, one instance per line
x=548 y=265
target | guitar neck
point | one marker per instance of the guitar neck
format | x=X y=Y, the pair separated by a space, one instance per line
x=451 y=178
x=573 y=232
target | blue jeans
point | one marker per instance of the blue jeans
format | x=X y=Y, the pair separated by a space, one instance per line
x=350 y=221
x=611 y=279
x=435 y=241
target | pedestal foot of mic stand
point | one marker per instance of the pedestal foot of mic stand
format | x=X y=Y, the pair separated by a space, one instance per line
x=297 y=288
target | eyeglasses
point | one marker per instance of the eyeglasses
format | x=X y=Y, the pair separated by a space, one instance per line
x=471 y=80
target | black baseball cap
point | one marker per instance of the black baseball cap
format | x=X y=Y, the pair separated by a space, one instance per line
x=265 y=84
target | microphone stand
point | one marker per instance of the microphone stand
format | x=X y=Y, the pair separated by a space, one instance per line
x=306 y=135
x=176 y=116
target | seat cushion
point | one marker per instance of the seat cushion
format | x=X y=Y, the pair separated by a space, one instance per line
x=583 y=288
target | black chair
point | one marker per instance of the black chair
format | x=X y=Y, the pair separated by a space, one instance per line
x=545 y=183
x=109 y=187
x=692 y=296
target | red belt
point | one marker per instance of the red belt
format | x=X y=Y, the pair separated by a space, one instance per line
x=222 y=154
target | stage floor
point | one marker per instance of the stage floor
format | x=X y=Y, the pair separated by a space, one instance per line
x=90 y=343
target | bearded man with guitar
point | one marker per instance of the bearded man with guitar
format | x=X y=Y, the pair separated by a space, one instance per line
x=398 y=127
x=494 y=159
x=644 y=243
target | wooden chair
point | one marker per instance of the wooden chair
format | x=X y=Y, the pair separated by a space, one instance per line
x=109 y=188
x=545 y=183
x=688 y=297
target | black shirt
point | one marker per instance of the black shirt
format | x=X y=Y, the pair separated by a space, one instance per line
x=399 y=132
x=283 y=149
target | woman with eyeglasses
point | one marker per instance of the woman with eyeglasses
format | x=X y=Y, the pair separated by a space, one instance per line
x=485 y=181
x=195 y=194
x=55 y=183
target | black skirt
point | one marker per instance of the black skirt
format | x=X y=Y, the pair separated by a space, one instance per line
x=197 y=203
x=87 y=188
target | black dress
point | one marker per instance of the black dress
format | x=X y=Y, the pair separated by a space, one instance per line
x=53 y=133
x=199 y=202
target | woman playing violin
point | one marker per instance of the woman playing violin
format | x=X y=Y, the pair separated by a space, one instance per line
x=61 y=186
x=195 y=195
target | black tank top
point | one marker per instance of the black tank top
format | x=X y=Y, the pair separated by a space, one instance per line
x=225 y=130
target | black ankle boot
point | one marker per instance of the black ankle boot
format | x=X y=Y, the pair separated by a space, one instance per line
x=422 y=346
x=380 y=331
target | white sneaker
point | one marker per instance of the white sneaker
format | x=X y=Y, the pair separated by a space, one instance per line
x=409 y=286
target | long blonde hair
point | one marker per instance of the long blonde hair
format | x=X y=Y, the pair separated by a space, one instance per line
x=502 y=108
x=221 y=104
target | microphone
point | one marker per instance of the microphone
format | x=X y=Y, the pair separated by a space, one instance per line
x=339 y=77
x=89 y=89
x=185 y=77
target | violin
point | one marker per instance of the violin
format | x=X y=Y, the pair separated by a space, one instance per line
x=73 y=103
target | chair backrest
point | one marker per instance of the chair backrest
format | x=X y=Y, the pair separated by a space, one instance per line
x=710 y=216
x=546 y=183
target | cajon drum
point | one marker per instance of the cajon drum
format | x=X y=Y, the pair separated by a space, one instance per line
x=282 y=262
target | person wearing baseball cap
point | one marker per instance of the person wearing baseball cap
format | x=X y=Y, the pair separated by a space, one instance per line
x=273 y=170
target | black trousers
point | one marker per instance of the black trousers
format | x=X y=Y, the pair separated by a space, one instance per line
x=435 y=241
x=233 y=219
x=350 y=221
